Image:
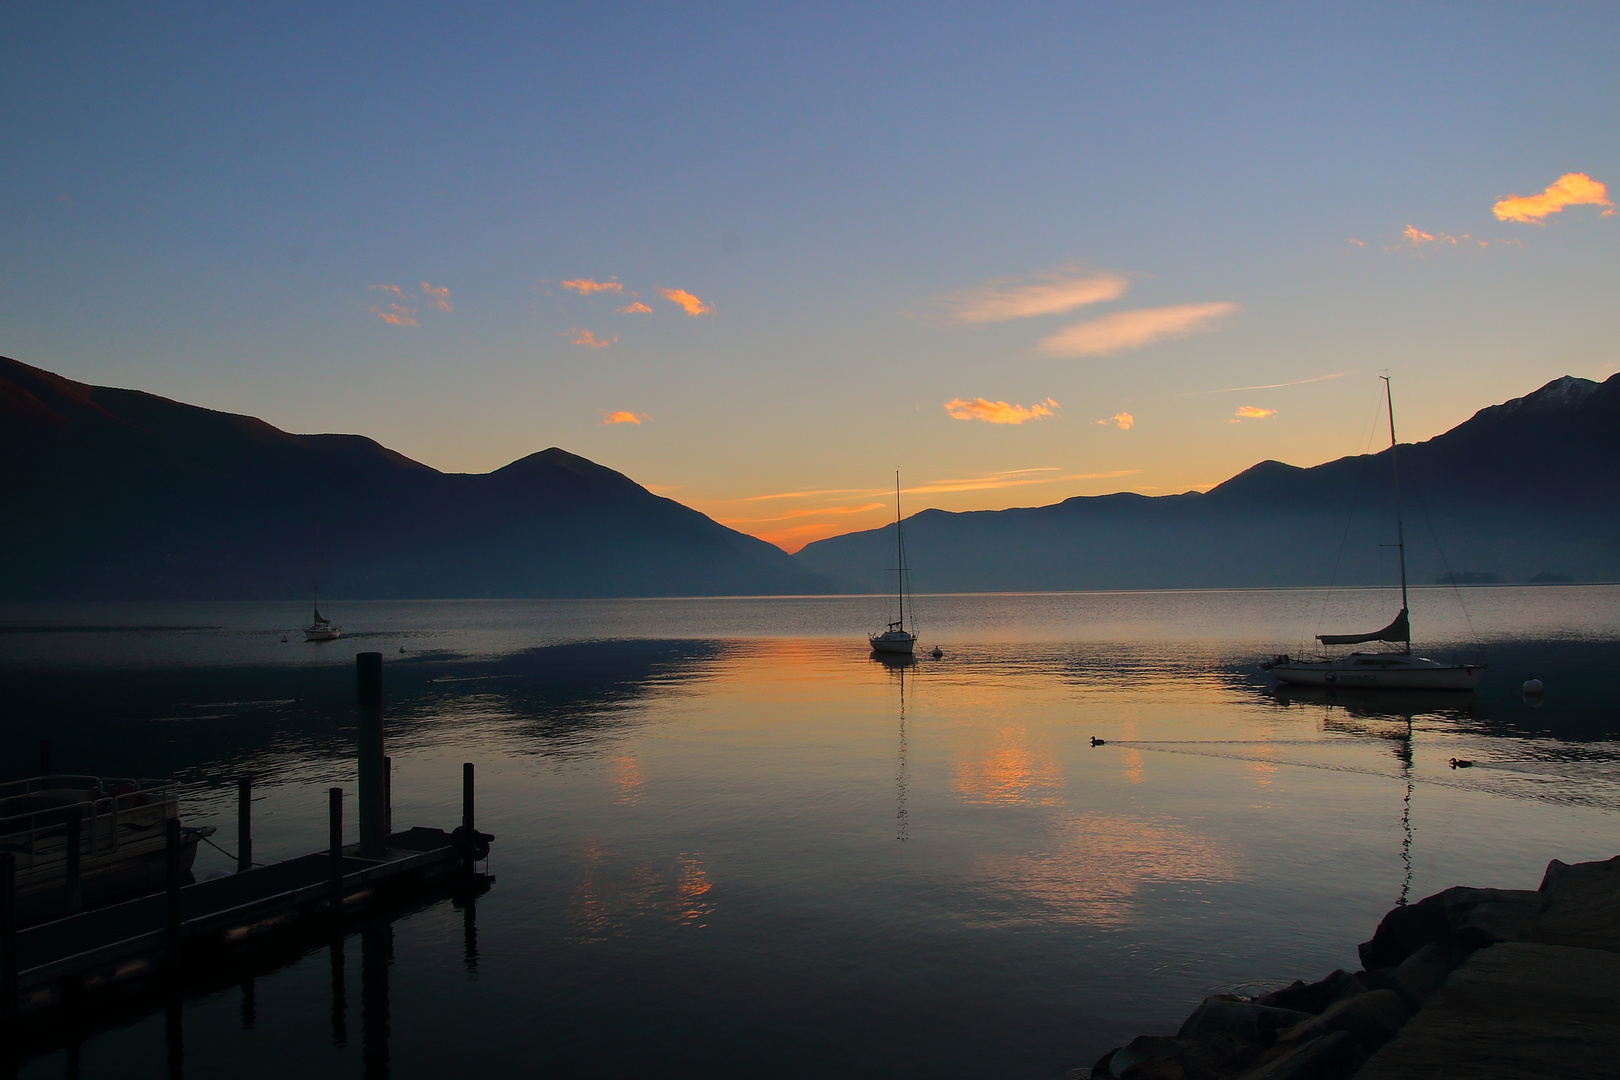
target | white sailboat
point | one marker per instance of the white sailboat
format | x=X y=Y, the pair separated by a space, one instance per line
x=1386 y=669
x=897 y=639
x=320 y=628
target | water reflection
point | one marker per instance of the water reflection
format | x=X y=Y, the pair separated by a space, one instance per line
x=1004 y=767
x=614 y=893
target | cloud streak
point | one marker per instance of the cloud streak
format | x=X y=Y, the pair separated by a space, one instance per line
x=1121 y=420
x=686 y=302
x=1571 y=189
x=396 y=315
x=1265 y=386
x=1134 y=329
x=1250 y=412
x=635 y=307
x=1051 y=292
x=622 y=417
x=590 y=340
x=437 y=299
x=998 y=412
x=585 y=286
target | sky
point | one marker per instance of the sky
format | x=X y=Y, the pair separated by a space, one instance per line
x=761 y=257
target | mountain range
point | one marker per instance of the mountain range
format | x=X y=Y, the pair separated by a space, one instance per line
x=1526 y=490
x=119 y=494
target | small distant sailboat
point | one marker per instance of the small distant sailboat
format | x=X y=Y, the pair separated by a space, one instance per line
x=1384 y=670
x=897 y=639
x=320 y=628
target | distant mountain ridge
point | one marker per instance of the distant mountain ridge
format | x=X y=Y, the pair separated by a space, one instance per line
x=1523 y=489
x=120 y=494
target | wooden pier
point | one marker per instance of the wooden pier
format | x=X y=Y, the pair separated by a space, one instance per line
x=125 y=951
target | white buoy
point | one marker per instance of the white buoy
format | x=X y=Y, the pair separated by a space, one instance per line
x=1533 y=686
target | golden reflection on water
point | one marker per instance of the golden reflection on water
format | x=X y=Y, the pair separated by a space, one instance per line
x=628 y=778
x=613 y=894
x=1097 y=863
x=1005 y=770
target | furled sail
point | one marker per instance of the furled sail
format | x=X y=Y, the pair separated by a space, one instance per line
x=320 y=618
x=1398 y=631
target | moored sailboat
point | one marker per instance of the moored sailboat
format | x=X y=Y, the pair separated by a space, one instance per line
x=1384 y=669
x=320 y=628
x=897 y=639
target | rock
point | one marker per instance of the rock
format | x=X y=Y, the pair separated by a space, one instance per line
x=1334 y=1056
x=1239 y=1020
x=1152 y=1057
x=1416 y=979
x=1462 y=917
x=1372 y=1019
x=1314 y=997
x=1581 y=906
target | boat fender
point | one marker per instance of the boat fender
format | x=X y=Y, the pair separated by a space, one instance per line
x=1533 y=686
x=471 y=844
x=1332 y=676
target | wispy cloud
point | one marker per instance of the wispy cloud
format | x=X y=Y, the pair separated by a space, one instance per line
x=635 y=307
x=396 y=315
x=585 y=286
x=686 y=301
x=1571 y=189
x=1251 y=412
x=395 y=289
x=794 y=515
x=1050 y=292
x=998 y=412
x=437 y=299
x=590 y=340
x=1121 y=420
x=1266 y=386
x=992 y=483
x=1134 y=329
x=1358 y=243
x=622 y=417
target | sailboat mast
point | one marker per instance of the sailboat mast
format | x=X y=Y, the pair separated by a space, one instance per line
x=1400 y=530
x=899 y=555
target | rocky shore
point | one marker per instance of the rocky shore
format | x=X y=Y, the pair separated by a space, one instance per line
x=1499 y=983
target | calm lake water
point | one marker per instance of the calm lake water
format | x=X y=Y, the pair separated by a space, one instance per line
x=730 y=842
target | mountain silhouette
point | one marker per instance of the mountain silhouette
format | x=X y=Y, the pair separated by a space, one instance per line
x=1523 y=490
x=122 y=495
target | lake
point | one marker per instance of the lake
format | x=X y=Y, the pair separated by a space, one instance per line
x=731 y=842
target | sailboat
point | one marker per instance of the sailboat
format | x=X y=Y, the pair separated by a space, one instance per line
x=897 y=639
x=1385 y=669
x=320 y=628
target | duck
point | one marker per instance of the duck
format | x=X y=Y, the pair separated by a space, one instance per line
x=1460 y=763
x=1098 y=742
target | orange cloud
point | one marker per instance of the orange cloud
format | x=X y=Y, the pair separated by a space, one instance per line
x=998 y=412
x=396 y=315
x=395 y=289
x=585 y=286
x=1134 y=329
x=1049 y=293
x=622 y=417
x=635 y=307
x=1122 y=420
x=1251 y=412
x=686 y=301
x=437 y=299
x=1571 y=189
x=590 y=340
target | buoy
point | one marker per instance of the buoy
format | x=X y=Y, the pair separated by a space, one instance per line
x=1098 y=742
x=1459 y=763
x=284 y=639
x=937 y=653
x=1533 y=685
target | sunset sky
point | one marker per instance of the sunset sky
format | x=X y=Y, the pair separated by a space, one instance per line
x=759 y=257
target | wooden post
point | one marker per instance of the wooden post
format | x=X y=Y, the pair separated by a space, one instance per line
x=8 y=940
x=373 y=811
x=244 y=825
x=335 y=807
x=172 y=890
x=73 y=846
x=388 y=795
x=467 y=795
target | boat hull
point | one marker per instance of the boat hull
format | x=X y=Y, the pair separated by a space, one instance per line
x=328 y=634
x=894 y=642
x=1340 y=675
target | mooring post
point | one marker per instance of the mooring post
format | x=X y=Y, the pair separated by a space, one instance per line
x=73 y=843
x=335 y=804
x=244 y=825
x=388 y=796
x=8 y=940
x=171 y=938
x=373 y=800
x=44 y=757
x=467 y=795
